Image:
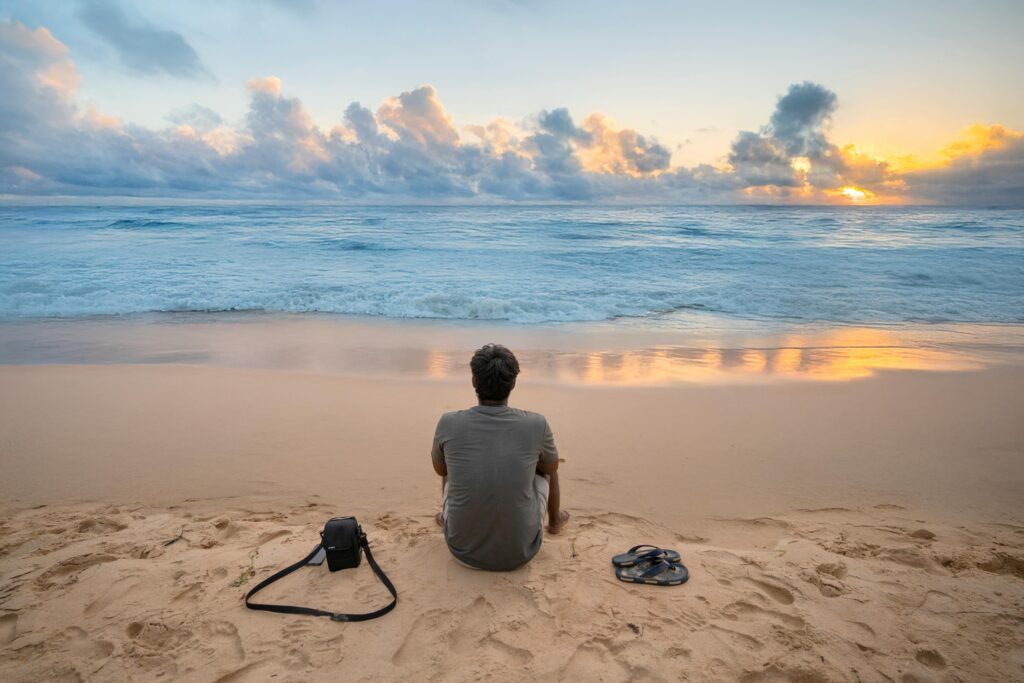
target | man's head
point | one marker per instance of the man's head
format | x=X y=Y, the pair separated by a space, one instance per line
x=494 y=372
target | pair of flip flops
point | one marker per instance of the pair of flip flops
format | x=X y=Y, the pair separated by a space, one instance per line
x=650 y=564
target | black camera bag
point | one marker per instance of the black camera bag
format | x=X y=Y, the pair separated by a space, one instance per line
x=343 y=542
x=340 y=540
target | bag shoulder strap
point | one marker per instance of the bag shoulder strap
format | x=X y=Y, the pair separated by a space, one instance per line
x=313 y=612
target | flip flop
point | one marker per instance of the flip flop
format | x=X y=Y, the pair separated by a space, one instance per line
x=637 y=554
x=655 y=572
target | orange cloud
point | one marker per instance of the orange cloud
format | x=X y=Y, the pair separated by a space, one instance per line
x=419 y=115
x=40 y=51
x=269 y=85
x=499 y=136
x=980 y=138
x=620 y=150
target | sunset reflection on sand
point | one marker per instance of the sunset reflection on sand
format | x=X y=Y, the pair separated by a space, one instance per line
x=846 y=354
x=596 y=355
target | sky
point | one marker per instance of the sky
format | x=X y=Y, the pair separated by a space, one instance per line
x=505 y=100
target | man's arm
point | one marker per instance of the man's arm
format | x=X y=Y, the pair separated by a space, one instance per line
x=547 y=465
x=547 y=468
x=437 y=452
x=441 y=467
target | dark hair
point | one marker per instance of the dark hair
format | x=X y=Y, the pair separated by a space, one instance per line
x=494 y=372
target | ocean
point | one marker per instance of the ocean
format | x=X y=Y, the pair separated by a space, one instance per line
x=522 y=264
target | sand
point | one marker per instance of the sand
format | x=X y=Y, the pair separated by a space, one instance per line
x=862 y=530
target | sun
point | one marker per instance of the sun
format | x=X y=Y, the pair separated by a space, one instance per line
x=852 y=195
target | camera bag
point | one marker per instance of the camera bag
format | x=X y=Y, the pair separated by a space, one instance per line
x=343 y=543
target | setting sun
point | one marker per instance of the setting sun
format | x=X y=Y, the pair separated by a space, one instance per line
x=853 y=193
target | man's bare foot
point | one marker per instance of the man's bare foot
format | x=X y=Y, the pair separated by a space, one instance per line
x=556 y=527
x=439 y=518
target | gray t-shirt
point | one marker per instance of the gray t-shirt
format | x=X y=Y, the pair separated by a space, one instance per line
x=495 y=517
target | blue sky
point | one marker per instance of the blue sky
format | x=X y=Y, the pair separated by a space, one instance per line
x=908 y=77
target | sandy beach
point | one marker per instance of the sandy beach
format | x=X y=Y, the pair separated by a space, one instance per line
x=755 y=269
x=840 y=530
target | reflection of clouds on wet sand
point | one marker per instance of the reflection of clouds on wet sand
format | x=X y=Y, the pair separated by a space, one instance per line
x=657 y=366
x=591 y=356
x=842 y=355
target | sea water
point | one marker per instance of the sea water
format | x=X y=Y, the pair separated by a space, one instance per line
x=523 y=264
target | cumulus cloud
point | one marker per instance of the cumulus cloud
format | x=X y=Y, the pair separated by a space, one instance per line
x=410 y=147
x=614 y=150
x=793 y=149
x=800 y=119
x=141 y=46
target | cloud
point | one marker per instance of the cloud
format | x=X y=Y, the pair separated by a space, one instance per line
x=793 y=149
x=985 y=167
x=609 y=149
x=37 y=80
x=418 y=118
x=759 y=160
x=410 y=148
x=800 y=118
x=197 y=117
x=140 y=46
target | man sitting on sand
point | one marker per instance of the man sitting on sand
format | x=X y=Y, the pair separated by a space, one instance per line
x=499 y=469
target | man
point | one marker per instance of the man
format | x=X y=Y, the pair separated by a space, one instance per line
x=499 y=469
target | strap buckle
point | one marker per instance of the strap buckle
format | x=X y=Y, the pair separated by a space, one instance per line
x=339 y=617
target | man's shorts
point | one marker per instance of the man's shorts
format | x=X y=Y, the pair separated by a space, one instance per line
x=541 y=488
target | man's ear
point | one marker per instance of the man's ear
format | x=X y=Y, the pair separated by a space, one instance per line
x=474 y=381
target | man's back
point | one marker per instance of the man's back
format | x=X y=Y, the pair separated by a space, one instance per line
x=495 y=500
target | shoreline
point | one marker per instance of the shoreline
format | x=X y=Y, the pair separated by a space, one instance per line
x=689 y=348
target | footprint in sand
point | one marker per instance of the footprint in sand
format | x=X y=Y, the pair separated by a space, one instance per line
x=1004 y=563
x=67 y=571
x=221 y=637
x=156 y=636
x=930 y=658
x=827 y=578
x=99 y=525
